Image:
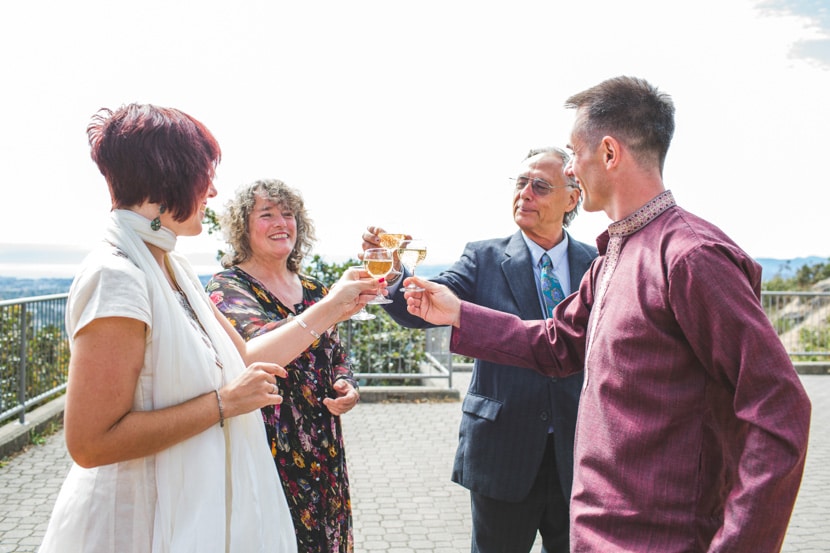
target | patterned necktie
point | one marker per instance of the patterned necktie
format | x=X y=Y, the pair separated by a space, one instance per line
x=551 y=288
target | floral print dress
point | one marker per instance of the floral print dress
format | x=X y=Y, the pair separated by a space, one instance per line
x=305 y=438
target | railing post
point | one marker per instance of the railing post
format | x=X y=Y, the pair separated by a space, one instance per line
x=21 y=373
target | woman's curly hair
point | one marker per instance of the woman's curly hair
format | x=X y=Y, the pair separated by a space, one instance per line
x=238 y=211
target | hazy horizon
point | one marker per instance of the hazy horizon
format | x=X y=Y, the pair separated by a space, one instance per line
x=61 y=261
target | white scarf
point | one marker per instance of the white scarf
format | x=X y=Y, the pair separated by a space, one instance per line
x=219 y=487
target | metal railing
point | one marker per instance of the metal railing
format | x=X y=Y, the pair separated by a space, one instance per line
x=34 y=364
x=384 y=353
x=802 y=321
x=34 y=351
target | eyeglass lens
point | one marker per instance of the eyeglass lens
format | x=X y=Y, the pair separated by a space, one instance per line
x=540 y=187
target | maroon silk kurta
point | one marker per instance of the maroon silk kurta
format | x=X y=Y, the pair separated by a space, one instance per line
x=693 y=424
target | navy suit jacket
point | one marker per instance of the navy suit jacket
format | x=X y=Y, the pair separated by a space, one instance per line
x=507 y=410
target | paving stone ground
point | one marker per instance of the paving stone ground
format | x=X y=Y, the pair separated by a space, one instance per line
x=400 y=456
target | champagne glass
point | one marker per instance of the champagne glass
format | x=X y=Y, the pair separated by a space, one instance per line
x=391 y=241
x=411 y=253
x=361 y=315
x=378 y=263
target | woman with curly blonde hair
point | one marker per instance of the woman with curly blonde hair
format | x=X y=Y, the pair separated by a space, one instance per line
x=270 y=233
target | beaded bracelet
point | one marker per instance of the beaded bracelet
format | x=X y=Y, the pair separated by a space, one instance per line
x=310 y=330
x=221 y=409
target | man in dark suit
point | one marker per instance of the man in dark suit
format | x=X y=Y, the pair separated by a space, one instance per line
x=515 y=448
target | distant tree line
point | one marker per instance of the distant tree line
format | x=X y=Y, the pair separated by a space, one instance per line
x=803 y=280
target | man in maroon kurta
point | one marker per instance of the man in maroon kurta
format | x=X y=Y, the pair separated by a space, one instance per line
x=693 y=424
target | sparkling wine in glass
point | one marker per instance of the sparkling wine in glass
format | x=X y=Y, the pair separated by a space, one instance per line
x=378 y=263
x=411 y=253
x=391 y=241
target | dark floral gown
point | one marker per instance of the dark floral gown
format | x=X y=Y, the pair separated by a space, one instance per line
x=305 y=438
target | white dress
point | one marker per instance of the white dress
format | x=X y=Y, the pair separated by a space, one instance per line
x=216 y=492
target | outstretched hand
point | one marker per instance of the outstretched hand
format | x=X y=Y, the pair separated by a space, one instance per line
x=436 y=304
x=353 y=290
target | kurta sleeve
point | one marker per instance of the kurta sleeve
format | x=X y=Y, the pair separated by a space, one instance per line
x=714 y=293
x=553 y=347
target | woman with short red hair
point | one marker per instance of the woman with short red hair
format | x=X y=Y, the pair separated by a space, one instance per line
x=162 y=408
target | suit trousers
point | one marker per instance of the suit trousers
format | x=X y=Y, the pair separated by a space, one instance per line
x=510 y=527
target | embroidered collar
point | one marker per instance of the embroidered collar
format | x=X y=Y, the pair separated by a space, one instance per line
x=642 y=216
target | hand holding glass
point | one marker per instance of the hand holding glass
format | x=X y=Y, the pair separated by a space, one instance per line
x=362 y=315
x=378 y=263
x=411 y=253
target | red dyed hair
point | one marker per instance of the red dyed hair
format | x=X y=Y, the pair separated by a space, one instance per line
x=155 y=154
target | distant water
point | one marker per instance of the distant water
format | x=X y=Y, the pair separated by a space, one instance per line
x=59 y=261
x=62 y=270
x=37 y=270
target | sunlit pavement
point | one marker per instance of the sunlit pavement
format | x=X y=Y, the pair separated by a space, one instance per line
x=400 y=456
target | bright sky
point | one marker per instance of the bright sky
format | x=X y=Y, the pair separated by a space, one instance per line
x=413 y=114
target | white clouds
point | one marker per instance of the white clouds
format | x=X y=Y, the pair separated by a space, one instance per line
x=416 y=113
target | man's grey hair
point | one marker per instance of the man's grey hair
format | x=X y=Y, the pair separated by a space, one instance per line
x=569 y=180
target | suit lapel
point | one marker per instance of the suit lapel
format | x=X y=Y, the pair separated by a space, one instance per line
x=579 y=259
x=517 y=269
